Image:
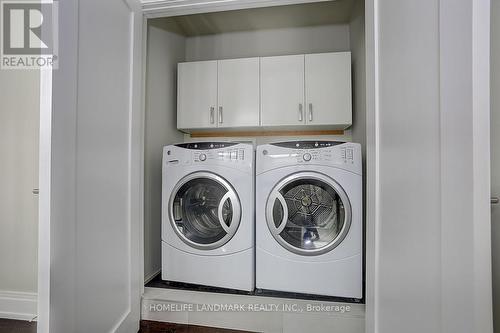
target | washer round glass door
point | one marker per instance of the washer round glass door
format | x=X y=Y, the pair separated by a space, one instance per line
x=308 y=213
x=205 y=210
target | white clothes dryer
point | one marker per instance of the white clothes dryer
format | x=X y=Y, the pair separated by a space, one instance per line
x=309 y=219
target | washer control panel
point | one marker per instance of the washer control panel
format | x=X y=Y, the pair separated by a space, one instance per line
x=210 y=153
x=347 y=154
x=225 y=154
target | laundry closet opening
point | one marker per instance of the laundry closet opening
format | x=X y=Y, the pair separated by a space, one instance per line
x=292 y=30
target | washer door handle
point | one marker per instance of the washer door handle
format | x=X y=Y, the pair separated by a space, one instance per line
x=226 y=197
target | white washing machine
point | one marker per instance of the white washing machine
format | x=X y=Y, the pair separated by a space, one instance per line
x=309 y=218
x=208 y=214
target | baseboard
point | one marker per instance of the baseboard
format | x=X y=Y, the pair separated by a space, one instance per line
x=18 y=305
x=151 y=276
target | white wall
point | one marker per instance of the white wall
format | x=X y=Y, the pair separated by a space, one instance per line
x=357 y=45
x=165 y=50
x=358 y=56
x=495 y=156
x=19 y=119
x=328 y=38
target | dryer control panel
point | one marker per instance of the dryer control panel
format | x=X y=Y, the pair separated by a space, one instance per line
x=345 y=155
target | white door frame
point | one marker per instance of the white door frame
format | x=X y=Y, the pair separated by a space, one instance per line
x=168 y=8
x=45 y=142
x=372 y=189
x=165 y=8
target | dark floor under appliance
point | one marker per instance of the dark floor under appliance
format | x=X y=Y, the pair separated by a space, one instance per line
x=17 y=326
x=157 y=282
x=148 y=326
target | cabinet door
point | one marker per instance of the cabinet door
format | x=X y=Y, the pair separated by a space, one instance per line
x=196 y=94
x=328 y=89
x=238 y=93
x=282 y=90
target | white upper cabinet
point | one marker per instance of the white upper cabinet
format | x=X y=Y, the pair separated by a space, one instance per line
x=282 y=90
x=312 y=90
x=328 y=89
x=238 y=93
x=197 y=94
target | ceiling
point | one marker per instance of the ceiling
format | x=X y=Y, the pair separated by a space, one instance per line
x=310 y=14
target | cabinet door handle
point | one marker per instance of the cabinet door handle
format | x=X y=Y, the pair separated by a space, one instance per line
x=301 y=113
x=221 y=119
x=212 y=109
x=310 y=112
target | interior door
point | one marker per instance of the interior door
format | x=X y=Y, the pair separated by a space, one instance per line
x=328 y=88
x=90 y=273
x=197 y=94
x=308 y=213
x=238 y=92
x=282 y=90
x=204 y=210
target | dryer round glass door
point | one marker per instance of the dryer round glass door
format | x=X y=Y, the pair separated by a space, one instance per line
x=205 y=210
x=308 y=213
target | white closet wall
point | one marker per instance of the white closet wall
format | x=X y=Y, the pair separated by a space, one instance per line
x=272 y=42
x=164 y=50
x=358 y=58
